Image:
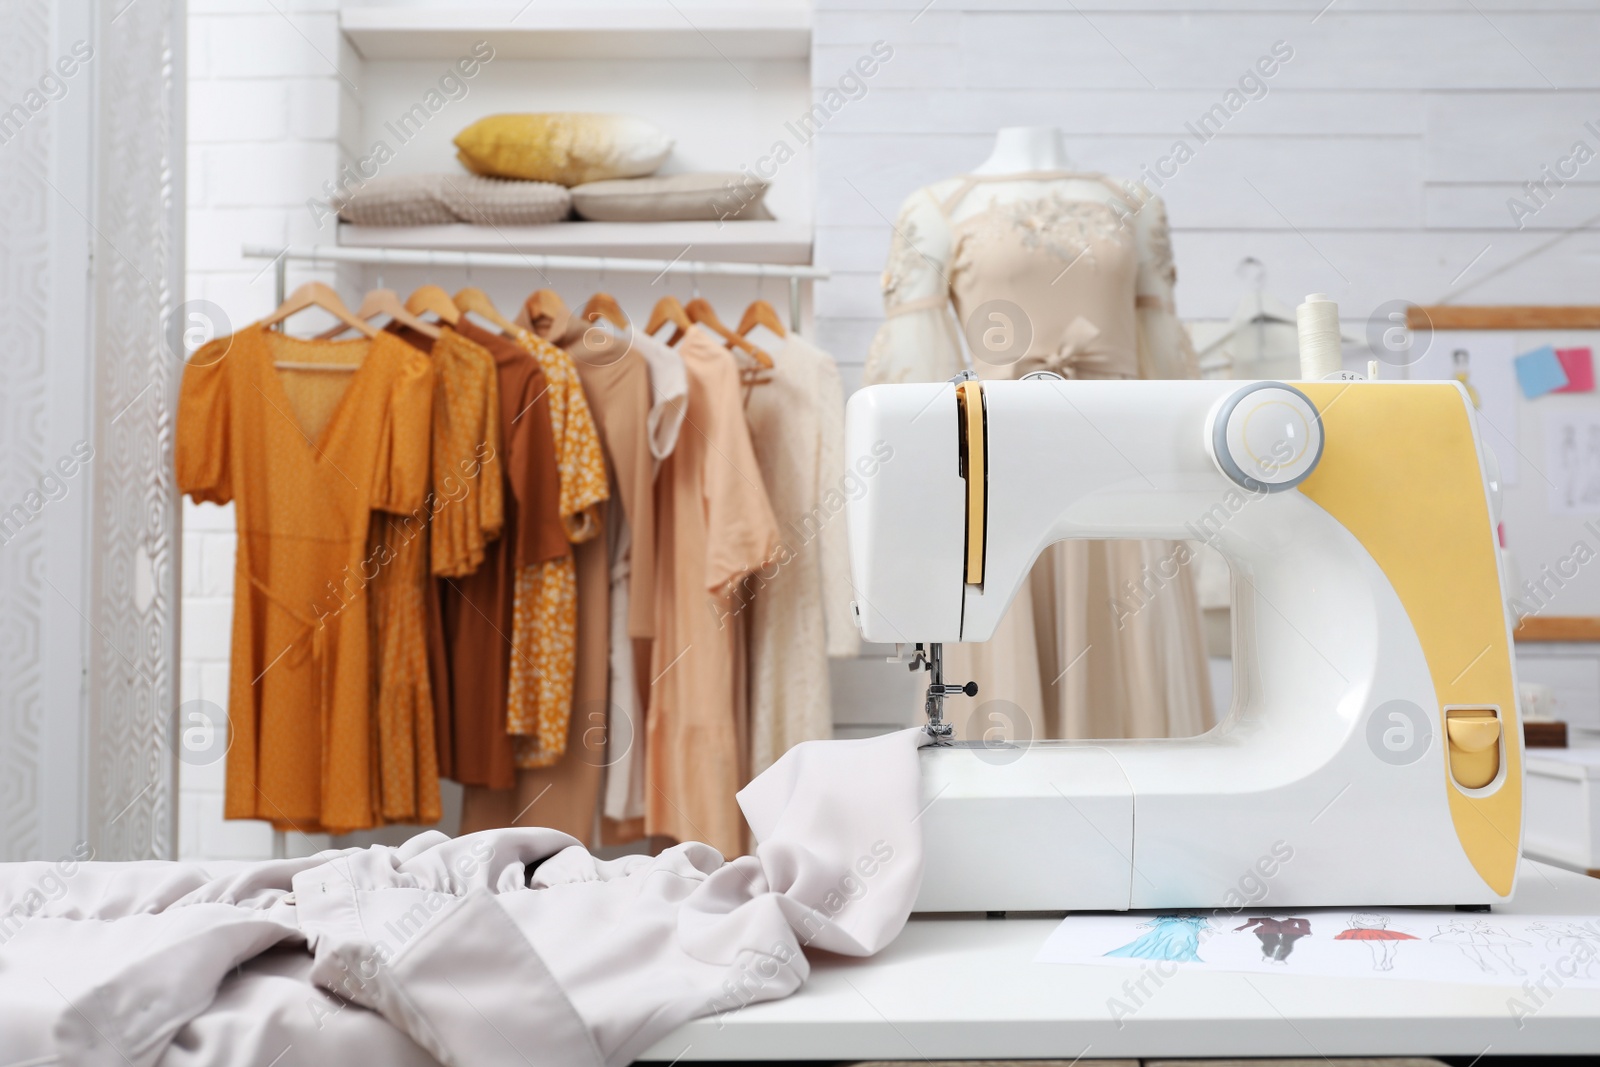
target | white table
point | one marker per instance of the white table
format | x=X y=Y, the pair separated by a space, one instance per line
x=968 y=988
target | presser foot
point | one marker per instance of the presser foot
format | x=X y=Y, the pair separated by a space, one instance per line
x=931 y=659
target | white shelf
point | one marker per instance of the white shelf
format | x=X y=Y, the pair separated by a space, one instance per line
x=640 y=30
x=738 y=242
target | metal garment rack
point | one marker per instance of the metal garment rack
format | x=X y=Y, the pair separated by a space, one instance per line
x=413 y=257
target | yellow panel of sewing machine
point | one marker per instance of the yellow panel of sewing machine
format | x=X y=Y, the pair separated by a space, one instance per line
x=1399 y=466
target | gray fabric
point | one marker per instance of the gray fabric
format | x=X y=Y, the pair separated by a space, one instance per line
x=672 y=198
x=510 y=947
x=443 y=199
x=267 y=1013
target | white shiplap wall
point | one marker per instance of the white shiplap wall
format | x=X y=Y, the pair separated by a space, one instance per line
x=1381 y=157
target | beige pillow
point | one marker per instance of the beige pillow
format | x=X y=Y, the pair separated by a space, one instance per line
x=673 y=198
x=568 y=148
x=441 y=199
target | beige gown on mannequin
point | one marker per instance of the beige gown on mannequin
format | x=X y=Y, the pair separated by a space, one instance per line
x=1071 y=273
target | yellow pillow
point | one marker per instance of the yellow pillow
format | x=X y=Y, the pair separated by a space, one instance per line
x=568 y=148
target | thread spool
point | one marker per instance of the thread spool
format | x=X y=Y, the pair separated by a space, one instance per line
x=1320 y=343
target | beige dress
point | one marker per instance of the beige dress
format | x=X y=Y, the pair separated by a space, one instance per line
x=799 y=603
x=1070 y=273
x=714 y=525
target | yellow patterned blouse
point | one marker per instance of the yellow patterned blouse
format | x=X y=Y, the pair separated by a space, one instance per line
x=545 y=602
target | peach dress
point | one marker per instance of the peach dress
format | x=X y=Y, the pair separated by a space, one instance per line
x=714 y=526
x=305 y=456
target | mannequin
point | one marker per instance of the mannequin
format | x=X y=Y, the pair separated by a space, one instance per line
x=1020 y=149
x=1048 y=267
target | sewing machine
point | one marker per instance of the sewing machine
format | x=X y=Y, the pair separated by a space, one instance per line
x=1372 y=755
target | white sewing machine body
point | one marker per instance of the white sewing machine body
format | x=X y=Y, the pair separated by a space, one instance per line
x=1374 y=580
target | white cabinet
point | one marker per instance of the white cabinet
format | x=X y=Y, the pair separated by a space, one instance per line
x=1562 y=815
x=1572 y=671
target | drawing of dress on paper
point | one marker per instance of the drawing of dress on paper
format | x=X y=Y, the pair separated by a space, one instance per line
x=1171 y=937
x=1381 y=941
x=1481 y=943
x=1577 y=947
x=1591 y=463
x=1571 y=467
x=1277 y=936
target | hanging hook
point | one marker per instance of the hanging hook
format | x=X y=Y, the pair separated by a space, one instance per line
x=1252 y=270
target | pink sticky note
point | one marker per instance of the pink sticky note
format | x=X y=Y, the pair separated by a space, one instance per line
x=1579 y=365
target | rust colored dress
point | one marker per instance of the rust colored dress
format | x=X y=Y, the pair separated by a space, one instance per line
x=305 y=456
x=476 y=609
x=539 y=708
x=714 y=526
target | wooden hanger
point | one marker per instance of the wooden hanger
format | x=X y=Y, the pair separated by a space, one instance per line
x=700 y=312
x=667 y=310
x=475 y=301
x=761 y=313
x=385 y=302
x=317 y=294
x=547 y=304
x=434 y=299
x=605 y=306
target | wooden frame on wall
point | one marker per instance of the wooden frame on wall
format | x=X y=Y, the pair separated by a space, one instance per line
x=1503 y=317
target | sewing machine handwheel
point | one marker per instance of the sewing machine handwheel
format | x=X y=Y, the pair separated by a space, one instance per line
x=1266 y=437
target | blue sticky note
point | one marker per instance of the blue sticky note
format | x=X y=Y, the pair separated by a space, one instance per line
x=1540 y=372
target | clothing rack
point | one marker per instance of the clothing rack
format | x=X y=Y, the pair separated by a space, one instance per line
x=412 y=257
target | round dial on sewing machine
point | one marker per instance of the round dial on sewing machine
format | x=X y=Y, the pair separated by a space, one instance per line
x=1267 y=436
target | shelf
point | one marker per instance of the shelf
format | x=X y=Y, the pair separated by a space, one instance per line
x=652 y=30
x=739 y=242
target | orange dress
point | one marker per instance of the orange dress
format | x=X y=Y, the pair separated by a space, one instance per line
x=461 y=514
x=468 y=495
x=406 y=785
x=305 y=456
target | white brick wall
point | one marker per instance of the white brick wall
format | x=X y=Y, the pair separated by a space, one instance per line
x=264 y=104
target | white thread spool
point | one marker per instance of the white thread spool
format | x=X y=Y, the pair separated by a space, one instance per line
x=1318 y=322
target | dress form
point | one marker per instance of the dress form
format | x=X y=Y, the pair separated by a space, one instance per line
x=1022 y=149
x=1083 y=263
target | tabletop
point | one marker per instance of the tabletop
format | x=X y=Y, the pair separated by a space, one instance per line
x=968 y=987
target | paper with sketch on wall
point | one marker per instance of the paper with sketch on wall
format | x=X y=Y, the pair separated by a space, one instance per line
x=1572 y=461
x=1433 y=946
